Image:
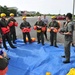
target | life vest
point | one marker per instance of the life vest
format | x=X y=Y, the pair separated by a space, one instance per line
x=59 y=25
x=35 y=27
x=3 y=72
x=55 y=30
x=26 y=30
x=5 y=29
x=11 y=23
x=27 y=39
x=32 y=39
x=16 y=23
x=48 y=29
x=43 y=29
x=48 y=73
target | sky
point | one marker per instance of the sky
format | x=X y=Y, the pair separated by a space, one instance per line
x=43 y=6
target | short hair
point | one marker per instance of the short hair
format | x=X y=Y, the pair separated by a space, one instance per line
x=69 y=15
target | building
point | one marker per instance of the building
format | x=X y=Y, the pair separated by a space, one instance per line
x=13 y=8
x=26 y=13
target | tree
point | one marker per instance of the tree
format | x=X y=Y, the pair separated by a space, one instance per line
x=7 y=11
x=13 y=11
x=4 y=10
x=38 y=14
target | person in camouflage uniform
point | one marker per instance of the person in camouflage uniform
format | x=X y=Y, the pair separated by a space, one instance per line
x=68 y=33
x=53 y=35
x=12 y=28
x=40 y=34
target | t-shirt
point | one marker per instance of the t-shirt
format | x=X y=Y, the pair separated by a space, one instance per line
x=45 y=21
x=69 y=28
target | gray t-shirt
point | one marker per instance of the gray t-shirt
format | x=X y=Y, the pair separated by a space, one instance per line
x=45 y=21
x=69 y=28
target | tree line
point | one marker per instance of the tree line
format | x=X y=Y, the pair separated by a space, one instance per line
x=7 y=11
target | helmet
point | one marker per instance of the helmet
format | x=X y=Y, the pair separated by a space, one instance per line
x=53 y=17
x=24 y=17
x=3 y=14
x=11 y=14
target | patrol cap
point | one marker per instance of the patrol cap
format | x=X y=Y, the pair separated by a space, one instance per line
x=69 y=15
x=11 y=14
x=3 y=14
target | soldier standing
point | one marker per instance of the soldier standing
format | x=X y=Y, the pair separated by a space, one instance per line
x=54 y=26
x=25 y=27
x=72 y=34
x=40 y=34
x=68 y=32
x=11 y=23
x=45 y=20
x=5 y=30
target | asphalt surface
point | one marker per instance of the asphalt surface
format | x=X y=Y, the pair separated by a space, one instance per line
x=32 y=21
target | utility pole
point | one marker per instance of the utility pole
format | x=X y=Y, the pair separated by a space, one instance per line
x=73 y=9
x=59 y=12
x=0 y=8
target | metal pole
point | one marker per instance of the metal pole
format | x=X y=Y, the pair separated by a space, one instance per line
x=73 y=8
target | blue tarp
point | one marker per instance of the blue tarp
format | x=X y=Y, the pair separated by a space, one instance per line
x=35 y=59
